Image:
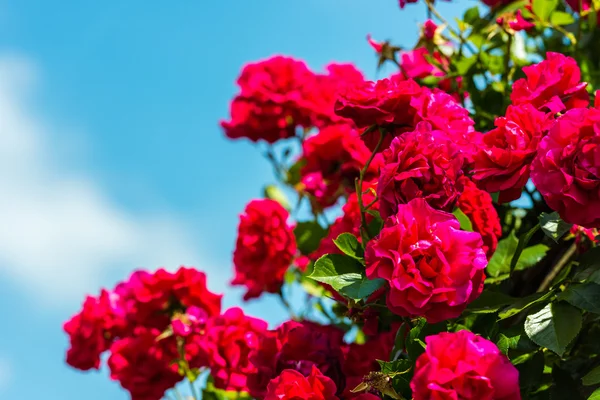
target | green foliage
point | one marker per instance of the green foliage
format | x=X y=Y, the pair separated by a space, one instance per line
x=350 y=246
x=554 y=327
x=465 y=222
x=553 y=226
x=308 y=236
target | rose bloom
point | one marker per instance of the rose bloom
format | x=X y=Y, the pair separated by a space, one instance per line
x=336 y=154
x=385 y=102
x=272 y=101
x=144 y=366
x=92 y=330
x=230 y=339
x=292 y=385
x=554 y=83
x=299 y=346
x=151 y=298
x=444 y=113
x=502 y=164
x=515 y=21
x=264 y=249
x=478 y=206
x=433 y=268
x=464 y=366
x=420 y=164
x=566 y=170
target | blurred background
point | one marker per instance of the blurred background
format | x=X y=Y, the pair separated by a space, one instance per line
x=112 y=159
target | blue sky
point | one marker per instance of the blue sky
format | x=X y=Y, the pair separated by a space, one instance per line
x=111 y=157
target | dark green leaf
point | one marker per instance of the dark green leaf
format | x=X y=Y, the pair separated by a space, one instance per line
x=293 y=174
x=471 y=16
x=554 y=326
x=500 y=262
x=531 y=371
x=415 y=346
x=362 y=289
x=489 y=302
x=350 y=246
x=544 y=8
x=592 y=377
x=523 y=304
x=399 y=341
x=553 y=226
x=464 y=64
x=465 y=222
x=273 y=192
x=561 y=18
x=308 y=236
x=523 y=241
x=593 y=21
x=531 y=256
x=375 y=226
x=585 y=296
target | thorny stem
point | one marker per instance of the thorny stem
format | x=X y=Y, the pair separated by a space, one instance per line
x=402 y=71
x=557 y=268
x=359 y=192
x=507 y=60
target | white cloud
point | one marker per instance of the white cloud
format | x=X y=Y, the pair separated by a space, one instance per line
x=60 y=234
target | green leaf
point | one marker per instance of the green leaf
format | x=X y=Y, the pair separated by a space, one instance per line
x=275 y=193
x=596 y=394
x=523 y=304
x=500 y=262
x=395 y=367
x=210 y=392
x=293 y=174
x=523 y=241
x=554 y=326
x=465 y=222
x=399 y=341
x=375 y=226
x=592 y=377
x=511 y=341
x=464 y=64
x=544 y=8
x=531 y=256
x=345 y=275
x=414 y=345
x=490 y=302
x=471 y=16
x=553 y=226
x=531 y=371
x=585 y=296
x=593 y=22
x=308 y=236
x=350 y=246
x=561 y=18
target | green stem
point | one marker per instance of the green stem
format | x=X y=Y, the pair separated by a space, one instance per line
x=557 y=268
x=359 y=189
x=287 y=306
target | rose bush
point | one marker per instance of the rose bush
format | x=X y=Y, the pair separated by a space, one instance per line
x=442 y=220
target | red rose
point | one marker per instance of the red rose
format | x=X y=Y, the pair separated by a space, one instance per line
x=553 y=83
x=383 y=102
x=566 y=170
x=433 y=268
x=444 y=113
x=273 y=100
x=298 y=346
x=503 y=162
x=92 y=330
x=420 y=164
x=231 y=338
x=336 y=155
x=265 y=248
x=464 y=366
x=292 y=385
x=151 y=298
x=144 y=366
x=477 y=205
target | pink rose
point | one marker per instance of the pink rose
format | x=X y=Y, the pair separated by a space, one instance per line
x=464 y=366
x=420 y=164
x=385 y=102
x=554 y=83
x=265 y=248
x=502 y=163
x=566 y=169
x=292 y=385
x=433 y=268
